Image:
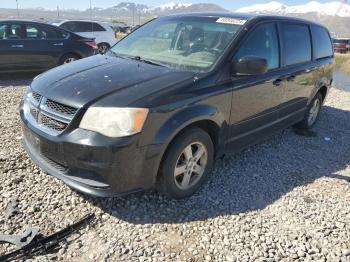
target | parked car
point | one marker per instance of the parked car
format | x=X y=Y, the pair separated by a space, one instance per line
x=173 y=96
x=341 y=45
x=32 y=46
x=102 y=32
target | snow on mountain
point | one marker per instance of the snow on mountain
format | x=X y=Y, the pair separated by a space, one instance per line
x=170 y=6
x=330 y=8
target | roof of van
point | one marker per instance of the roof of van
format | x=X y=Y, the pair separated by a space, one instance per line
x=245 y=16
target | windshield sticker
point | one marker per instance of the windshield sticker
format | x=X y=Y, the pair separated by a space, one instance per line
x=232 y=21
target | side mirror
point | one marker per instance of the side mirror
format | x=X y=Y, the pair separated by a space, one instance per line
x=250 y=65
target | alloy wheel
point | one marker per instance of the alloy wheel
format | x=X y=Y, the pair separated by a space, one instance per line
x=313 y=113
x=190 y=165
x=69 y=60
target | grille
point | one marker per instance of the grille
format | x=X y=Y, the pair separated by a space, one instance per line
x=52 y=123
x=50 y=116
x=36 y=96
x=59 y=108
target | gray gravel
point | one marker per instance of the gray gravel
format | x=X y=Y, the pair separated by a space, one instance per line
x=284 y=200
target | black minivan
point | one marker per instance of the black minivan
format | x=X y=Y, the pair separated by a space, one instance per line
x=171 y=97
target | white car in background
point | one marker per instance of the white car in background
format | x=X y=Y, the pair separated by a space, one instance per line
x=102 y=32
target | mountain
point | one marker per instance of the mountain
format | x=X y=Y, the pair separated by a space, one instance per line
x=330 y=9
x=128 y=12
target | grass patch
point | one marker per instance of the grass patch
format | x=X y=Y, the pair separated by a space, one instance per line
x=342 y=62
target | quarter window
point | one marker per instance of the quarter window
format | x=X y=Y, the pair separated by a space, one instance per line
x=321 y=42
x=262 y=42
x=296 y=43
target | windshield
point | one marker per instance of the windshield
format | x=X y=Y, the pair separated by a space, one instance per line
x=189 y=43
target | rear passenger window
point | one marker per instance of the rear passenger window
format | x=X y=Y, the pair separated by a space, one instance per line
x=321 y=42
x=77 y=27
x=84 y=26
x=262 y=42
x=297 y=44
x=97 y=28
x=43 y=32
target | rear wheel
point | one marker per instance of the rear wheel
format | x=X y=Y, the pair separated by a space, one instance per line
x=187 y=164
x=103 y=48
x=68 y=58
x=312 y=113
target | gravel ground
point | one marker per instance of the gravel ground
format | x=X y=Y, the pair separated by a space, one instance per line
x=284 y=200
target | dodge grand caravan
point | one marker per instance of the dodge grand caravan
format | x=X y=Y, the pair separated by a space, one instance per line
x=170 y=98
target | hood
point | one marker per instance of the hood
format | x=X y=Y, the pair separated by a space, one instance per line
x=86 y=81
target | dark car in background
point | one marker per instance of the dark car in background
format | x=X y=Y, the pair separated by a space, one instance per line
x=171 y=97
x=341 y=45
x=33 y=46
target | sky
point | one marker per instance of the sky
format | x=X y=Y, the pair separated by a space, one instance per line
x=84 y=4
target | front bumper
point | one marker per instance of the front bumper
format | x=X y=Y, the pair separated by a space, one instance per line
x=92 y=163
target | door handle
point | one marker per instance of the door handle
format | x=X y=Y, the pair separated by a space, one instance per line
x=17 y=46
x=277 y=82
x=58 y=44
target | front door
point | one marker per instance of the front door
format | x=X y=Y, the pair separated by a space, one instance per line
x=12 y=47
x=256 y=99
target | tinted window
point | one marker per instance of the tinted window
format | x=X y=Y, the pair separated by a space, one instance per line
x=77 y=26
x=262 y=42
x=42 y=32
x=297 y=44
x=97 y=27
x=2 y=31
x=321 y=42
x=11 y=31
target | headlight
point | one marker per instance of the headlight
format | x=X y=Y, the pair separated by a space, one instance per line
x=114 y=122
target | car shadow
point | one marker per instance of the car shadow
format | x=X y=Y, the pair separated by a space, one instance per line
x=252 y=179
x=16 y=79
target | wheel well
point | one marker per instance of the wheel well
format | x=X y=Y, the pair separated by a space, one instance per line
x=208 y=126
x=323 y=91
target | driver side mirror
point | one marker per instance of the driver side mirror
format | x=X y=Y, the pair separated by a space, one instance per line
x=250 y=65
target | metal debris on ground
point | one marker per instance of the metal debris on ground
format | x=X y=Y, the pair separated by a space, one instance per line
x=20 y=240
x=46 y=244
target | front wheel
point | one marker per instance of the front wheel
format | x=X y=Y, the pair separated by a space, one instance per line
x=187 y=164
x=312 y=113
x=68 y=58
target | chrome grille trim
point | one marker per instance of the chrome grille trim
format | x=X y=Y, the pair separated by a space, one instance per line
x=47 y=115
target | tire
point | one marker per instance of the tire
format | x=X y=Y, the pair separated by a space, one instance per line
x=103 y=48
x=192 y=171
x=314 y=108
x=68 y=58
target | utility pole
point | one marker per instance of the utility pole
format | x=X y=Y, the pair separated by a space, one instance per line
x=133 y=15
x=17 y=8
x=58 y=12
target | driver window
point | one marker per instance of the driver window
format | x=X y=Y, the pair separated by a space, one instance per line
x=262 y=42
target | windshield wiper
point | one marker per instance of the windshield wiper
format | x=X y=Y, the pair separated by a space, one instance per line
x=147 y=61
